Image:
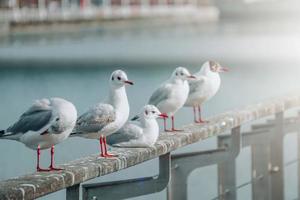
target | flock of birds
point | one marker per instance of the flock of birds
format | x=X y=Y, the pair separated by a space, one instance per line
x=50 y=121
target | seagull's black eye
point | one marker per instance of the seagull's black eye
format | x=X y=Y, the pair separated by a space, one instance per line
x=57 y=119
x=153 y=112
x=112 y=78
x=119 y=78
x=181 y=73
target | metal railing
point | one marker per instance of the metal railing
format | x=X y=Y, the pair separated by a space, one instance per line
x=77 y=172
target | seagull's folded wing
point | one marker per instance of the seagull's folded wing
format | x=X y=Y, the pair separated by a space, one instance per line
x=160 y=94
x=130 y=131
x=95 y=118
x=37 y=117
x=197 y=85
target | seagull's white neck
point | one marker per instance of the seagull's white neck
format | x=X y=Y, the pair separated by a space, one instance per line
x=176 y=80
x=118 y=98
x=151 y=128
x=205 y=71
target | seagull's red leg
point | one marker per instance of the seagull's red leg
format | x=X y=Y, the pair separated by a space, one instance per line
x=105 y=147
x=52 y=168
x=195 y=115
x=101 y=147
x=38 y=161
x=200 y=116
x=173 y=125
x=165 y=126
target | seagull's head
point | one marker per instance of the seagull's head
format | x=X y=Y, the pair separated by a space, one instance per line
x=182 y=73
x=119 y=78
x=152 y=112
x=216 y=67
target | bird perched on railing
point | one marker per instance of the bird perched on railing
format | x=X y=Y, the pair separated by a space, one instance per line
x=46 y=123
x=104 y=119
x=172 y=94
x=142 y=133
x=204 y=87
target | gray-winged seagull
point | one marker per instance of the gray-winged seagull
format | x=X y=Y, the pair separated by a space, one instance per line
x=204 y=87
x=104 y=119
x=142 y=133
x=46 y=123
x=170 y=96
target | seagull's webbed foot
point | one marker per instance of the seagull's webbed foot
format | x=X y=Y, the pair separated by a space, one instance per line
x=111 y=155
x=51 y=168
x=107 y=155
x=177 y=130
x=38 y=169
x=201 y=121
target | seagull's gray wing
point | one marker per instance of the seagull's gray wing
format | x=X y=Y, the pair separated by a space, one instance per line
x=39 y=115
x=131 y=131
x=160 y=94
x=196 y=85
x=95 y=119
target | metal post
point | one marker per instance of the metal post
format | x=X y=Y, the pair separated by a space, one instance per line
x=130 y=188
x=260 y=171
x=72 y=193
x=226 y=172
x=276 y=159
x=298 y=163
x=184 y=164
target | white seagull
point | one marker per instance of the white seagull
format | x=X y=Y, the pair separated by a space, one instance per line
x=46 y=123
x=104 y=119
x=204 y=87
x=172 y=94
x=143 y=133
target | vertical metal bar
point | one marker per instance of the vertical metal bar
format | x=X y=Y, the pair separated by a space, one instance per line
x=177 y=188
x=298 y=163
x=72 y=192
x=260 y=171
x=276 y=159
x=226 y=170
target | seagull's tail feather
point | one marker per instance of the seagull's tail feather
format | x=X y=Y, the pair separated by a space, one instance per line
x=135 y=118
x=2 y=132
x=73 y=134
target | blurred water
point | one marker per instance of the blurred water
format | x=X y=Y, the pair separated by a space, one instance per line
x=45 y=68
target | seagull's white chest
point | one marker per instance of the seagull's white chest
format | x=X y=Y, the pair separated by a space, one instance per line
x=33 y=139
x=205 y=91
x=121 y=118
x=151 y=133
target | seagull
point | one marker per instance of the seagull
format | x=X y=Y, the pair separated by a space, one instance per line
x=142 y=133
x=204 y=87
x=46 y=123
x=172 y=94
x=104 y=119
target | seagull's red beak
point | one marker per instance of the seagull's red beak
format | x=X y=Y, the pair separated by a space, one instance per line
x=128 y=82
x=191 y=76
x=224 y=69
x=163 y=115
